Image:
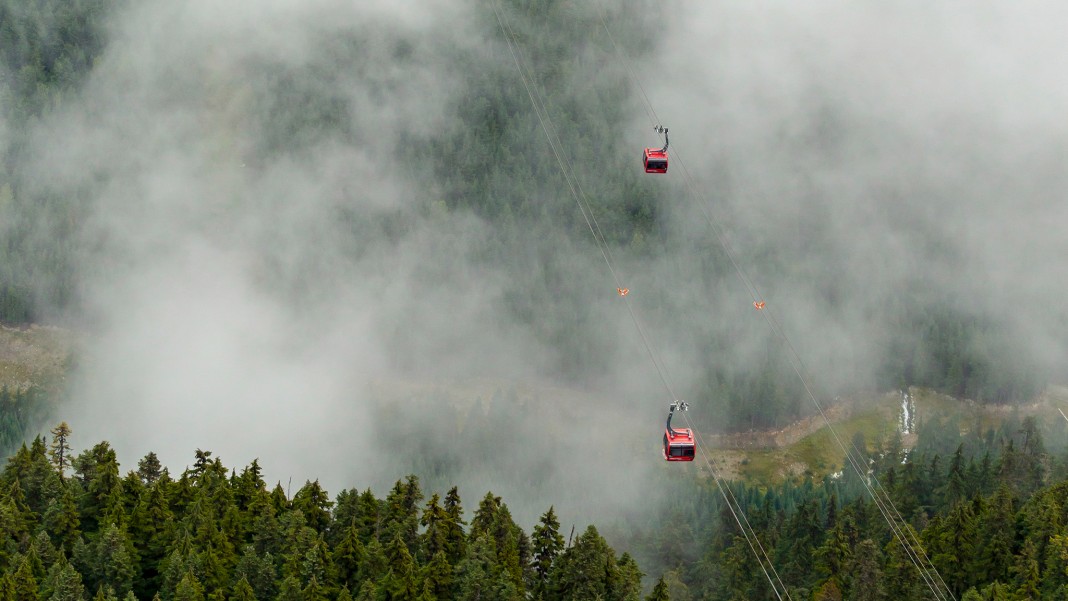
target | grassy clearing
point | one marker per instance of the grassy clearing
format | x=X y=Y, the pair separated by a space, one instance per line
x=819 y=454
x=35 y=355
x=822 y=453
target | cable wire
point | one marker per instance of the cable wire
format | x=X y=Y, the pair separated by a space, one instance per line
x=550 y=133
x=913 y=547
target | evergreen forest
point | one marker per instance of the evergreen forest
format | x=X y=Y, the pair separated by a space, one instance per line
x=395 y=160
x=989 y=512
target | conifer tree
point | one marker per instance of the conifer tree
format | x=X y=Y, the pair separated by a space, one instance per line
x=506 y=536
x=434 y=534
x=1026 y=572
x=630 y=580
x=59 y=452
x=660 y=591
x=279 y=499
x=367 y=591
x=313 y=592
x=865 y=583
x=402 y=511
x=953 y=545
x=438 y=576
x=900 y=578
x=290 y=590
x=258 y=571
x=40 y=551
x=485 y=515
x=7 y=587
x=299 y=538
x=67 y=584
x=242 y=591
x=112 y=561
x=319 y=563
x=833 y=555
x=999 y=522
x=250 y=488
x=151 y=530
x=25 y=583
x=105 y=593
x=375 y=565
x=455 y=537
x=98 y=469
x=315 y=504
x=189 y=589
x=1055 y=574
x=399 y=583
x=149 y=469
x=343 y=516
x=61 y=519
x=348 y=556
x=587 y=570
x=367 y=516
x=479 y=577
x=956 y=484
x=215 y=571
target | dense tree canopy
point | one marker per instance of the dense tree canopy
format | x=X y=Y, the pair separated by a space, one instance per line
x=214 y=533
x=989 y=508
x=988 y=514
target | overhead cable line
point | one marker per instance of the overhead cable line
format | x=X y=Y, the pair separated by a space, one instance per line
x=899 y=527
x=576 y=191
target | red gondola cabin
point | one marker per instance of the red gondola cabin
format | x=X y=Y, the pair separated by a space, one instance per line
x=679 y=444
x=656 y=160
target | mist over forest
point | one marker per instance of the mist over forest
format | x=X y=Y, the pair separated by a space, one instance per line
x=334 y=237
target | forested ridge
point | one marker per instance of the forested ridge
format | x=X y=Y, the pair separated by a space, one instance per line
x=74 y=528
x=989 y=506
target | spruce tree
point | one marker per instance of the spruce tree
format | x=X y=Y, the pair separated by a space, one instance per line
x=630 y=580
x=314 y=592
x=242 y=591
x=149 y=469
x=189 y=589
x=434 y=534
x=25 y=583
x=7 y=587
x=865 y=583
x=59 y=452
x=258 y=571
x=348 y=556
x=315 y=504
x=399 y=583
x=455 y=538
x=547 y=546
x=290 y=590
x=67 y=585
x=438 y=576
x=660 y=591
x=1026 y=572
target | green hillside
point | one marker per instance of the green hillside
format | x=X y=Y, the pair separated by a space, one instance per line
x=818 y=454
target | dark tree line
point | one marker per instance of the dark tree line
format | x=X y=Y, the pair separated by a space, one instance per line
x=73 y=527
x=989 y=514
